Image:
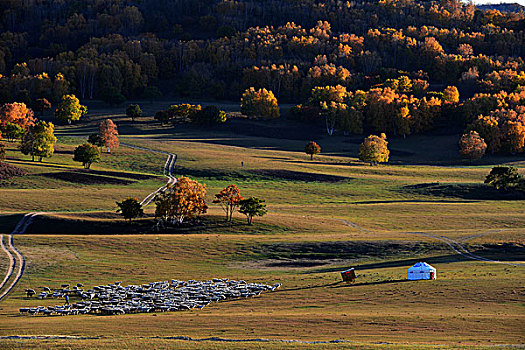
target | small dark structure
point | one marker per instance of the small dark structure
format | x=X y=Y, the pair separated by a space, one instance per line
x=348 y=275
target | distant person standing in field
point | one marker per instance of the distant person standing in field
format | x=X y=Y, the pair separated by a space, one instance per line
x=242 y=164
x=66 y=299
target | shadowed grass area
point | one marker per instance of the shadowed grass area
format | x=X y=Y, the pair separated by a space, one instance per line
x=104 y=223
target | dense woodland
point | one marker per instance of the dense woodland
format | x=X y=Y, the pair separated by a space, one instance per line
x=394 y=66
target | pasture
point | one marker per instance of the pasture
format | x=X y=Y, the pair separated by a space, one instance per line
x=324 y=216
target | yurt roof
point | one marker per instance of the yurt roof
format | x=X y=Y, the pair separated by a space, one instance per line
x=423 y=265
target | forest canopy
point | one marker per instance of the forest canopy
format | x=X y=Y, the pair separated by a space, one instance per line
x=424 y=63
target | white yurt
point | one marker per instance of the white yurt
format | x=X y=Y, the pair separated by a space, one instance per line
x=421 y=271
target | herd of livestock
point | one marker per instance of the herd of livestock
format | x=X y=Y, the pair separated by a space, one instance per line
x=115 y=299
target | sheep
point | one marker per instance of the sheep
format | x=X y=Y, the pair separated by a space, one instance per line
x=162 y=296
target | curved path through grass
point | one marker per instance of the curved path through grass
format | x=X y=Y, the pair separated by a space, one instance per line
x=11 y=266
x=17 y=259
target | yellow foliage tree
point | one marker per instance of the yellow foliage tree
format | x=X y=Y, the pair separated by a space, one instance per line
x=259 y=103
x=184 y=200
x=374 y=149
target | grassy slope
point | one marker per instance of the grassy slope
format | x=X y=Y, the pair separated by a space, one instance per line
x=471 y=302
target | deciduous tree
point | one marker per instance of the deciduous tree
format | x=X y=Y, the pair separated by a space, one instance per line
x=108 y=134
x=16 y=113
x=86 y=154
x=472 y=146
x=504 y=177
x=183 y=200
x=130 y=208
x=133 y=111
x=184 y=111
x=95 y=140
x=13 y=131
x=39 y=141
x=374 y=149
x=229 y=198
x=251 y=207
x=259 y=103
x=208 y=116
x=451 y=94
x=70 y=109
x=162 y=117
x=311 y=149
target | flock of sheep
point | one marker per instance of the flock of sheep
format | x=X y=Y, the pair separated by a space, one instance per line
x=115 y=299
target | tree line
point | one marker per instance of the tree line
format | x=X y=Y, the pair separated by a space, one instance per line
x=112 y=49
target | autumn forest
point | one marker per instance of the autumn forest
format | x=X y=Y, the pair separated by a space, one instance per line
x=357 y=67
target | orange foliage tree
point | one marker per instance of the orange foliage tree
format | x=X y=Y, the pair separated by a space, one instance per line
x=472 y=146
x=229 y=199
x=16 y=113
x=312 y=148
x=109 y=134
x=184 y=200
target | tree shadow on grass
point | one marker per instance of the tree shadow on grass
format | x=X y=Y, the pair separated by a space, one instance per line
x=289 y=175
x=416 y=201
x=492 y=251
x=359 y=284
x=463 y=191
x=39 y=164
x=396 y=263
x=8 y=222
x=126 y=175
x=80 y=177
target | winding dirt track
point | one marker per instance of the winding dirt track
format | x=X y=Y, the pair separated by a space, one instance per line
x=12 y=261
x=168 y=169
x=16 y=259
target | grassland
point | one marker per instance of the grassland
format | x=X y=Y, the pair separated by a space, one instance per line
x=324 y=215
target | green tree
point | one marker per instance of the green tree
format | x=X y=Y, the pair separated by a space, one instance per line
x=133 y=111
x=70 y=109
x=162 y=117
x=13 y=131
x=311 y=149
x=86 y=154
x=26 y=146
x=39 y=141
x=374 y=149
x=208 y=116
x=259 y=103
x=504 y=177
x=130 y=208
x=251 y=207
x=95 y=140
